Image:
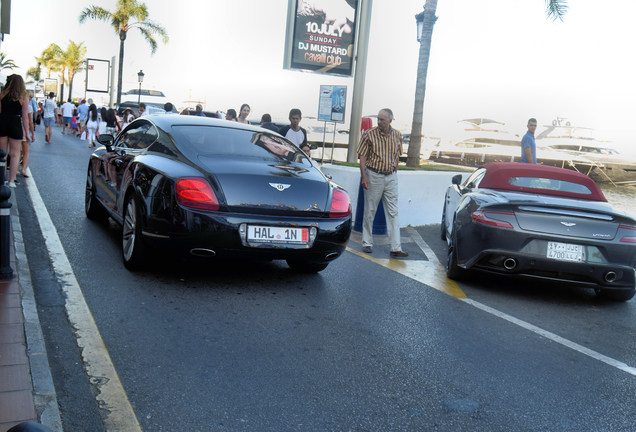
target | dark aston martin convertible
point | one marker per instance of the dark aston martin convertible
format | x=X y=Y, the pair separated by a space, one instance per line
x=208 y=188
x=539 y=222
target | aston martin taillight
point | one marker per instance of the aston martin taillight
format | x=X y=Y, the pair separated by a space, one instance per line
x=340 y=204
x=628 y=238
x=490 y=218
x=196 y=192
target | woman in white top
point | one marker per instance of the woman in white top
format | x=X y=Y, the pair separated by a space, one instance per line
x=127 y=117
x=92 y=124
x=27 y=139
x=245 y=111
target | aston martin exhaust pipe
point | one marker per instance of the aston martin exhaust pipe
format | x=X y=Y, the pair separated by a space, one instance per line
x=510 y=263
x=610 y=276
x=202 y=252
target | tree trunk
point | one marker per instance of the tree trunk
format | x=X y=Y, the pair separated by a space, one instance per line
x=415 y=143
x=120 y=73
x=62 y=85
x=71 y=75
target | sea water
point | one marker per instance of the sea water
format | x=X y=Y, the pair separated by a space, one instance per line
x=622 y=197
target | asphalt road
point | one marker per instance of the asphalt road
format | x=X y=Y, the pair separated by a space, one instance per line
x=358 y=347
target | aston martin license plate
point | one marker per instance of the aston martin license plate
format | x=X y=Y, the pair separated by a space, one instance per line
x=278 y=235
x=566 y=252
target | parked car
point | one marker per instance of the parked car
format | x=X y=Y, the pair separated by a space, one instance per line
x=203 y=187
x=192 y=111
x=151 y=108
x=540 y=222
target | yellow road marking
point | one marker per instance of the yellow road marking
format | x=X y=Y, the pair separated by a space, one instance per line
x=427 y=272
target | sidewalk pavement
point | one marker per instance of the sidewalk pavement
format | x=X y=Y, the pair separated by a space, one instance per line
x=26 y=385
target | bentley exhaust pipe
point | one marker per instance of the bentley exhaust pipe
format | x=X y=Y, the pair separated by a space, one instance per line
x=203 y=252
x=510 y=263
x=332 y=256
x=610 y=276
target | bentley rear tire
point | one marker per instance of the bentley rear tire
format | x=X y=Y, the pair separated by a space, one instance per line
x=133 y=249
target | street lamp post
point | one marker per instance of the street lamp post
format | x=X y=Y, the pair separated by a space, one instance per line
x=140 y=79
x=425 y=21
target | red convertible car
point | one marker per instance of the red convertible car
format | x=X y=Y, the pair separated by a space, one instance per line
x=539 y=222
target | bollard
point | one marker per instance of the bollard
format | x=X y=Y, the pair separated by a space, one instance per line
x=6 y=272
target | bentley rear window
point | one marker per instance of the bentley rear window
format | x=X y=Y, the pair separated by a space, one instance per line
x=216 y=141
x=549 y=184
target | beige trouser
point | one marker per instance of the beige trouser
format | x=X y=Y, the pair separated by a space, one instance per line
x=384 y=187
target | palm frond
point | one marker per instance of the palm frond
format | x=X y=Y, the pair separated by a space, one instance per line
x=556 y=9
x=148 y=35
x=96 y=13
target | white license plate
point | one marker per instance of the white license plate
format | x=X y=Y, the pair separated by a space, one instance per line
x=279 y=235
x=566 y=252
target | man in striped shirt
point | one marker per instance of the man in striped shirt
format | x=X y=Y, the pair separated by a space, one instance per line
x=379 y=152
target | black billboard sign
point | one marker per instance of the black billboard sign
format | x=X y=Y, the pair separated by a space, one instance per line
x=323 y=36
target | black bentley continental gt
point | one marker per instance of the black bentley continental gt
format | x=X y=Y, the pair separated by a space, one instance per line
x=207 y=188
x=539 y=222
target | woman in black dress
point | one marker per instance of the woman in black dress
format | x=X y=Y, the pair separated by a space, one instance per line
x=14 y=107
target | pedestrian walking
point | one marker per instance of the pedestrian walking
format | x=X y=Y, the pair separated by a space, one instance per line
x=82 y=111
x=112 y=124
x=141 y=110
x=266 y=122
x=67 y=116
x=379 y=151
x=230 y=114
x=294 y=132
x=528 y=144
x=27 y=140
x=50 y=109
x=127 y=117
x=14 y=108
x=198 y=110
x=243 y=113
x=92 y=125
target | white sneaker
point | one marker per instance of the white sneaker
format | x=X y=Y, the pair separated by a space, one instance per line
x=11 y=184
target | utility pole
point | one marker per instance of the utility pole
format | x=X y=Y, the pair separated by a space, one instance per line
x=358 y=78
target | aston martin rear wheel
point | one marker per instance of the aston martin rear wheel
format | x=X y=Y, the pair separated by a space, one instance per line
x=307 y=266
x=93 y=208
x=133 y=249
x=453 y=271
x=614 y=295
x=443 y=227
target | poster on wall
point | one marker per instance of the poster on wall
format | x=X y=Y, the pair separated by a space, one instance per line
x=332 y=103
x=321 y=36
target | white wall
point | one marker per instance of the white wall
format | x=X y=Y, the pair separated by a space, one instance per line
x=420 y=196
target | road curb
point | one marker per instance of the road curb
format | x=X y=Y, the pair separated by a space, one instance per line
x=44 y=396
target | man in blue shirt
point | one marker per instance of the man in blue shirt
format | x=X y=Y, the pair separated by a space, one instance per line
x=528 y=145
x=82 y=111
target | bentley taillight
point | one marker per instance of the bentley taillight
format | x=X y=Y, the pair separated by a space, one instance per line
x=490 y=218
x=631 y=236
x=340 y=204
x=196 y=192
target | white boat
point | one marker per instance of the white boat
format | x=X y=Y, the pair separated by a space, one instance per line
x=601 y=162
x=483 y=140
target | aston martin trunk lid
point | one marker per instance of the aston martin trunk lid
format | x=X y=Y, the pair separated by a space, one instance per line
x=254 y=185
x=567 y=222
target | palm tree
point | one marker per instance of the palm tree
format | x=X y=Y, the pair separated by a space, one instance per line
x=555 y=9
x=6 y=63
x=49 y=59
x=73 y=60
x=128 y=15
x=35 y=72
